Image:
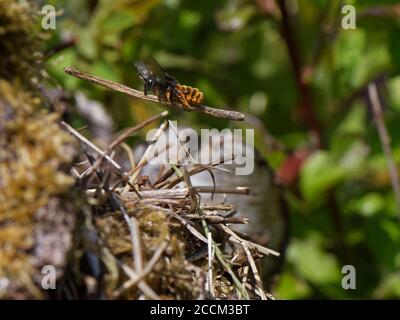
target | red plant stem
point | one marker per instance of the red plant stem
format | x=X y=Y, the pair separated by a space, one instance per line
x=306 y=107
x=305 y=104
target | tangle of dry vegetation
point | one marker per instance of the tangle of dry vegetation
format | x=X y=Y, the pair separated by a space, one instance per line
x=158 y=237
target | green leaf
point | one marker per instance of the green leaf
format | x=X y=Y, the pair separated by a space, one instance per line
x=368 y=205
x=290 y=287
x=319 y=174
x=106 y=70
x=189 y=19
x=87 y=45
x=394 y=92
x=394 y=45
x=389 y=288
x=118 y=21
x=354 y=122
x=383 y=239
x=349 y=53
x=312 y=263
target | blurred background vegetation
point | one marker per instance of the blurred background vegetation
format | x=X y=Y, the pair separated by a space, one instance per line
x=302 y=79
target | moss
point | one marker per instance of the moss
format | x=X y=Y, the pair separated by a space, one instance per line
x=172 y=276
x=33 y=151
x=19 y=40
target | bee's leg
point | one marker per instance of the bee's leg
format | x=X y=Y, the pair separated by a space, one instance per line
x=187 y=93
x=198 y=97
x=159 y=93
x=168 y=96
x=146 y=88
x=201 y=97
x=183 y=101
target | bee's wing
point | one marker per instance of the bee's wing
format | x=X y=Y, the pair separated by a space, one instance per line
x=155 y=67
x=148 y=68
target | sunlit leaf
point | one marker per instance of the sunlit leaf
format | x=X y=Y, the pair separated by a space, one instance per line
x=319 y=174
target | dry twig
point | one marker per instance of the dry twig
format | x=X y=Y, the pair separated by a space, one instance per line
x=237 y=239
x=147 y=269
x=90 y=144
x=385 y=141
x=210 y=265
x=254 y=270
x=215 y=112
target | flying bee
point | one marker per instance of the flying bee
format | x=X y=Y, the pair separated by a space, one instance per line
x=165 y=86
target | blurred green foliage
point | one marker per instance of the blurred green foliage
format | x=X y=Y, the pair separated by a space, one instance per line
x=234 y=51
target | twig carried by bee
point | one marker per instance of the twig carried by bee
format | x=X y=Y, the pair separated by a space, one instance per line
x=215 y=112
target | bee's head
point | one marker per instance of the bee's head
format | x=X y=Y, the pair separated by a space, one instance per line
x=143 y=71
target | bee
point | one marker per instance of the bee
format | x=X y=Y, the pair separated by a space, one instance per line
x=165 y=86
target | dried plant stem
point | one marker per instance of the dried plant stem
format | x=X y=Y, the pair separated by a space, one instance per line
x=178 y=193
x=241 y=290
x=257 y=291
x=137 y=256
x=142 y=285
x=90 y=144
x=187 y=153
x=216 y=112
x=124 y=136
x=120 y=139
x=134 y=129
x=230 y=190
x=170 y=183
x=254 y=270
x=237 y=239
x=196 y=233
x=385 y=141
x=239 y=287
x=147 y=269
x=210 y=265
x=245 y=275
x=153 y=201
x=129 y=152
x=218 y=207
x=147 y=154
x=214 y=218
x=137 y=247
